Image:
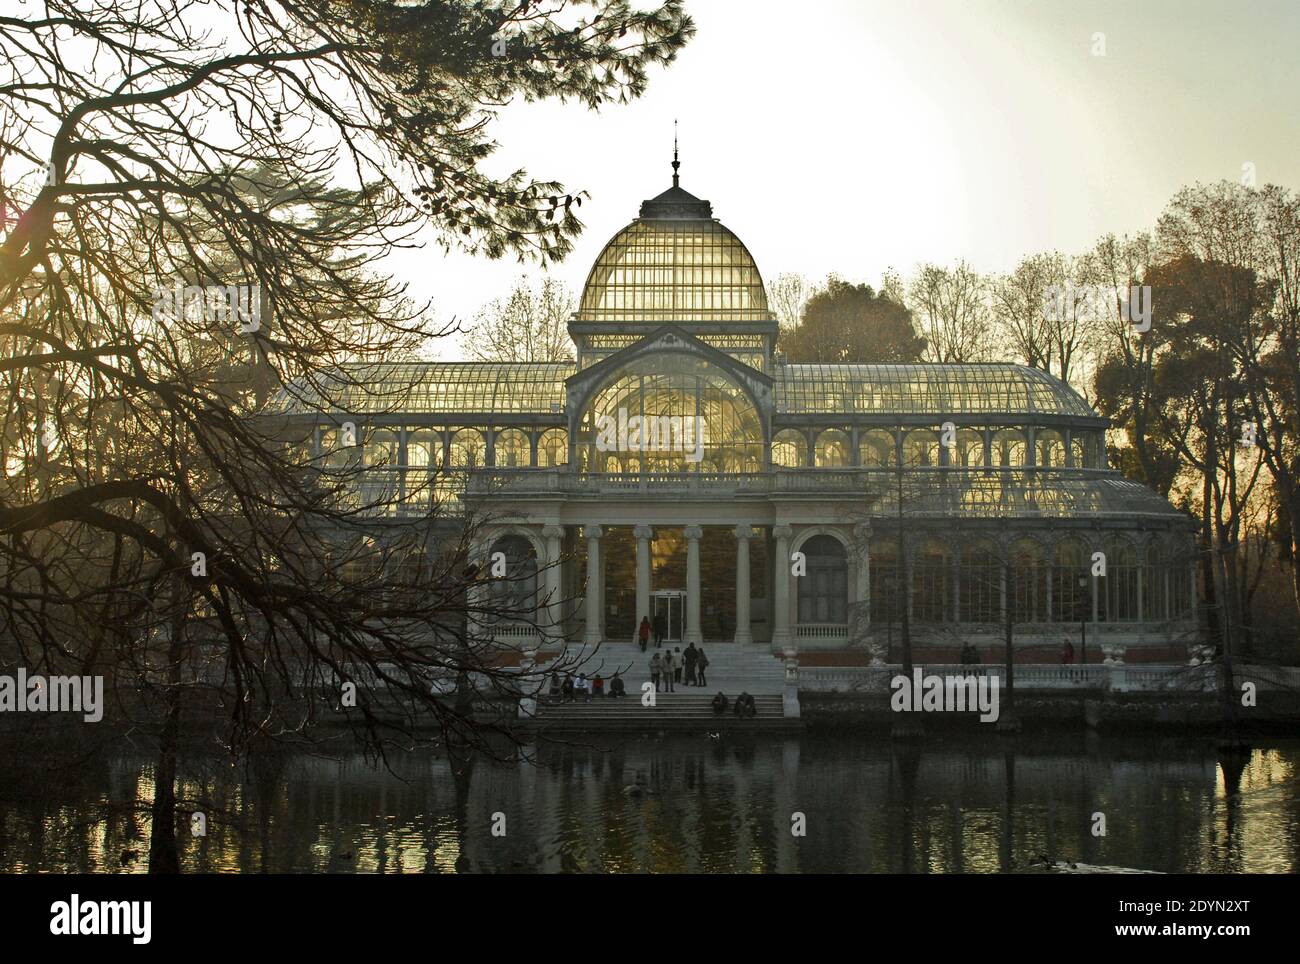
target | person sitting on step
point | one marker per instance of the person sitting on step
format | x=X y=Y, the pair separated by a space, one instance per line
x=616 y=686
x=720 y=703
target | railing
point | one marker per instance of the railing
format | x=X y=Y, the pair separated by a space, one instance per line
x=519 y=482
x=821 y=631
x=875 y=680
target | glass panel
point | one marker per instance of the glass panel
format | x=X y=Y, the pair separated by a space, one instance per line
x=790 y=449
x=924 y=389
x=833 y=447
x=511 y=449
x=668 y=414
x=661 y=270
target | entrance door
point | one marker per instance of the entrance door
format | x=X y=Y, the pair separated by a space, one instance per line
x=670 y=605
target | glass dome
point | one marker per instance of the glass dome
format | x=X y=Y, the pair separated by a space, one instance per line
x=666 y=270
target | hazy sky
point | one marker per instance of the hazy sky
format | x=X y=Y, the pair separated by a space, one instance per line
x=854 y=135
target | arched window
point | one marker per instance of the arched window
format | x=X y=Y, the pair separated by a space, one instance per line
x=931 y=582
x=883 y=562
x=423 y=448
x=1009 y=448
x=675 y=413
x=1085 y=450
x=553 y=448
x=1027 y=590
x=381 y=448
x=468 y=449
x=511 y=450
x=824 y=590
x=1118 y=588
x=1071 y=582
x=1051 y=448
x=341 y=446
x=514 y=594
x=790 y=449
x=981 y=593
x=423 y=453
x=1155 y=584
x=876 y=449
x=833 y=447
x=969 y=450
x=1180 y=558
x=921 y=448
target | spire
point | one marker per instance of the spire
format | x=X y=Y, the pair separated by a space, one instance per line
x=676 y=204
x=676 y=163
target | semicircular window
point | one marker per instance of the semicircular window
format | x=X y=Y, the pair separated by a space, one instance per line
x=672 y=413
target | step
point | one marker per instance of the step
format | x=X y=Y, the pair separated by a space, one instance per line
x=766 y=706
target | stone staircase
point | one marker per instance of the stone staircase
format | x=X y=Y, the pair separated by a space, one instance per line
x=732 y=669
x=680 y=710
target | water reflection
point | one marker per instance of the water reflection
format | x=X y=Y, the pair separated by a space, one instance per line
x=685 y=805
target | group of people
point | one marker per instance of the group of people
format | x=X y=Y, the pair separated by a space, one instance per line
x=570 y=688
x=675 y=666
x=659 y=628
x=744 y=707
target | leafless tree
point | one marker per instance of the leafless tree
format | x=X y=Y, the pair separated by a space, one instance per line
x=952 y=307
x=786 y=295
x=528 y=325
x=163 y=521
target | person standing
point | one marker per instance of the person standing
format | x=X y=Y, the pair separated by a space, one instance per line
x=643 y=633
x=669 y=665
x=661 y=629
x=689 y=658
x=677 y=664
x=1067 y=653
x=701 y=664
x=656 y=670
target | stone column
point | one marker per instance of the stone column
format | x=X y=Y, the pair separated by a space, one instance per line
x=744 y=533
x=594 y=601
x=693 y=536
x=860 y=614
x=643 y=536
x=781 y=578
x=478 y=595
x=554 y=618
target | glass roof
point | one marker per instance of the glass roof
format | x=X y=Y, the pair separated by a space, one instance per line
x=433 y=387
x=924 y=389
x=661 y=270
x=1052 y=494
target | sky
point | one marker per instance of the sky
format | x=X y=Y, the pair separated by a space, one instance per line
x=852 y=136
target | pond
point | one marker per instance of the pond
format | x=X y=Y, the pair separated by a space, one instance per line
x=815 y=802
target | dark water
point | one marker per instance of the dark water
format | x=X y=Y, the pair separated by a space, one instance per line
x=717 y=806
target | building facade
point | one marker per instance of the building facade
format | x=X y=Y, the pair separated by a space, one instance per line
x=680 y=469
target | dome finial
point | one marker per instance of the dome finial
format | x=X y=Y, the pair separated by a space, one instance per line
x=676 y=163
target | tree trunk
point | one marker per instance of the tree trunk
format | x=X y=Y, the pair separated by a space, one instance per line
x=1293 y=510
x=164 y=855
